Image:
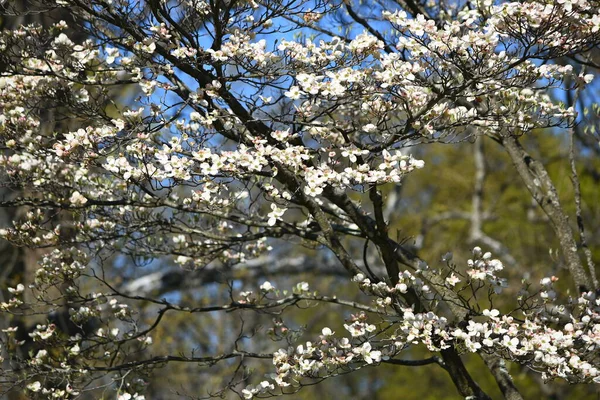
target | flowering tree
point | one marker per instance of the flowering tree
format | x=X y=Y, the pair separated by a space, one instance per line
x=259 y=122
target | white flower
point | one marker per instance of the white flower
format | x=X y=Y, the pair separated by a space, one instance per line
x=19 y=289
x=266 y=385
x=294 y=93
x=369 y=128
x=356 y=329
x=41 y=354
x=301 y=287
x=63 y=40
x=149 y=48
x=267 y=287
x=75 y=350
x=546 y=281
x=491 y=313
x=402 y=287
x=119 y=123
x=35 y=386
x=368 y=355
x=182 y=260
x=111 y=54
x=326 y=332
x=452 y=280
x=77 y=199
x=128 y=396
x=275 y=214
x=281 y=135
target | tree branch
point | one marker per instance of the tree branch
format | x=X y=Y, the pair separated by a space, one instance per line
x=541 y=187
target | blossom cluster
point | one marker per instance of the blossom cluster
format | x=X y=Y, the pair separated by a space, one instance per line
x=564 y=349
